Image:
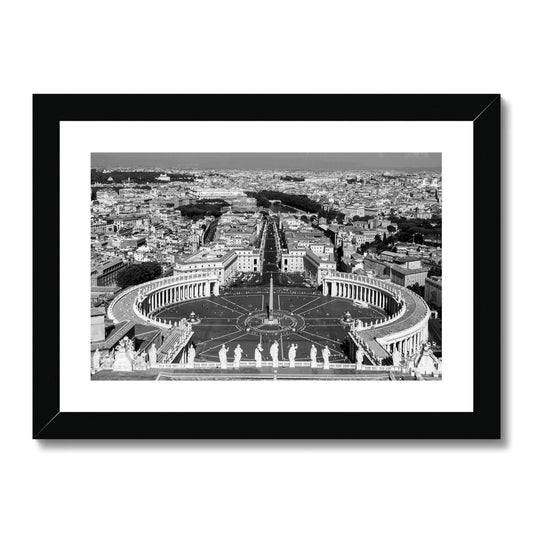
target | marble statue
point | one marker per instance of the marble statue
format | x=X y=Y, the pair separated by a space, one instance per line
x=130 y=346
x=222 y=355
x=237 y=355
x=191 y=355
x=358 y=324
x=396 y=357
x=292 y=355
x=123 y=356
x=107 y=361
x=359 y=356
x=274 y=352
x=257 y=355
x=325 y=355
x=139 y=362
x=426 y=363
x=96 y=361
x=152 y=355
x=312 y=355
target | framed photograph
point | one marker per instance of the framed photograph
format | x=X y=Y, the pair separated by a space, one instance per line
x=266 y=266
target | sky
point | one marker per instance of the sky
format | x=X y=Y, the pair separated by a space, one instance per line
x=274 y=161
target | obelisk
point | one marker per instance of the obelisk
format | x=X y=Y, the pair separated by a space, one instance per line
x=271 y=299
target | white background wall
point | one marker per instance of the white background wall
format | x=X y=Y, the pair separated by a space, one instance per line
x=273 y=47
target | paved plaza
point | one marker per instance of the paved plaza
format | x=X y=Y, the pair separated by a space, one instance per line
x=222 y=323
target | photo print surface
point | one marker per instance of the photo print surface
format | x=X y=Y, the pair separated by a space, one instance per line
x=266 y=266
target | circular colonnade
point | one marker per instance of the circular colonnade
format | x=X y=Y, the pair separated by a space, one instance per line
x=405 y=328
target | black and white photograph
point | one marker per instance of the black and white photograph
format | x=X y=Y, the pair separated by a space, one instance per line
x=266 y=266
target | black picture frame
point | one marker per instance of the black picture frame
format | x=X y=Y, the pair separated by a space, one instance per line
x=50 y=423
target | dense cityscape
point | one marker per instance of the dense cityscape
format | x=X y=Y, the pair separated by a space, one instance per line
x=246 y=232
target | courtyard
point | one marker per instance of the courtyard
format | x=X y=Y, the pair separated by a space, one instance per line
x=223 y=321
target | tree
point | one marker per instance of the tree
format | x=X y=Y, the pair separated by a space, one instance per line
x=418 y=238
x=138 y=273
x=435 y=271
x=391 y=228
x=299 y=201
x=416 y=288
x=202 y=209
x=364 y=247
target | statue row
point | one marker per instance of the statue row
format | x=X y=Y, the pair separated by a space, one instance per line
x=423 y=360
x=258 y=355
x=123 y=358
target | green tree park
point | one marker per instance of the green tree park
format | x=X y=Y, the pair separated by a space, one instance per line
x=136 y=273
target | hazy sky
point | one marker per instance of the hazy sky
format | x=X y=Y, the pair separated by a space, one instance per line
x=281 y=161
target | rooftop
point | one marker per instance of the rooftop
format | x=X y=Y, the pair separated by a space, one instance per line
x=408 y=259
